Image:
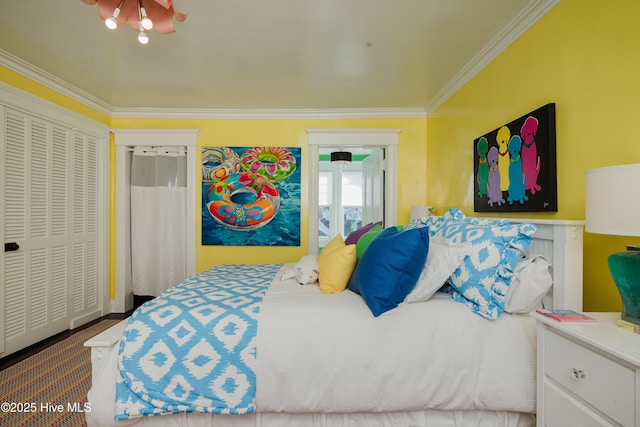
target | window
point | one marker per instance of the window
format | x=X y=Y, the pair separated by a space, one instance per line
x=339 y=200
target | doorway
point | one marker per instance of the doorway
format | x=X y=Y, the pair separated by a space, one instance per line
x=377 y=145
x=349 y=195
x=125 y=140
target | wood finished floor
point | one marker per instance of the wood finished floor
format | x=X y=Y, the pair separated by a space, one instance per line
x=20 y=355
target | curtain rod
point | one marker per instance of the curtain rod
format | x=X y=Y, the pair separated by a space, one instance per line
x=142 y=150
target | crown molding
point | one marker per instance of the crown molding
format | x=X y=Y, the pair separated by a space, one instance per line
x=269 y=113
x=39 y=75
x=535 y=10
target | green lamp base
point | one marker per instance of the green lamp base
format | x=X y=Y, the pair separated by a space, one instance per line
x=625 y=270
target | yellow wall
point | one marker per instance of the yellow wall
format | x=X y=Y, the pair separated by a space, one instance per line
x=291 y=132
x=584 y=56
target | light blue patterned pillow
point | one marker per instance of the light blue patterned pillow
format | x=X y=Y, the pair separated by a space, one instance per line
x=484 y=277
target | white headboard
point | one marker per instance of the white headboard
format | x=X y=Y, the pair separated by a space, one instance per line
x=561 y=243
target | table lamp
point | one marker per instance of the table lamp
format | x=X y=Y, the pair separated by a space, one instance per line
x=418 y=212
x=613 y=207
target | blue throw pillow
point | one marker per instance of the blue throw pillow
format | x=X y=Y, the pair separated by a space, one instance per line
x=390 y=267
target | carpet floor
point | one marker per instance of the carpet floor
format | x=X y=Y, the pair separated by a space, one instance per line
x=50 y=387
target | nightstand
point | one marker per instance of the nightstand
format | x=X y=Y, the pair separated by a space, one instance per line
x=588 y=373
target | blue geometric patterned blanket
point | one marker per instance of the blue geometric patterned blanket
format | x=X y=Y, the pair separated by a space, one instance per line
x=193 y=348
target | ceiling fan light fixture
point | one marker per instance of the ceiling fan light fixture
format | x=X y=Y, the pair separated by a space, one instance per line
x=139 y=17
x=112 y=21
x=146 y=23
x=143 y=38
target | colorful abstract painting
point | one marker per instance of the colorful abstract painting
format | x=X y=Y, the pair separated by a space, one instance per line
x=515 y=165
x=251 y=196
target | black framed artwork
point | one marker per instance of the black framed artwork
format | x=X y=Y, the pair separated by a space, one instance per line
x=515 y=165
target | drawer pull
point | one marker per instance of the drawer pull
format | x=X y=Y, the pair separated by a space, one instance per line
x=578 y=374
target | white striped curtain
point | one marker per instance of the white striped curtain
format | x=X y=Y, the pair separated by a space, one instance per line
x=158 y=218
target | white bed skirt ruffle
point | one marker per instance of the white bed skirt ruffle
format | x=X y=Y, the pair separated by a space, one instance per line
x=430 y=418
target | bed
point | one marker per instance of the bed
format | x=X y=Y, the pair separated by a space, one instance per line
x=328 y=358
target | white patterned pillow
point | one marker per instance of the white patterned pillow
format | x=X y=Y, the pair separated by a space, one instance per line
x=443 y=259
x=483 y=279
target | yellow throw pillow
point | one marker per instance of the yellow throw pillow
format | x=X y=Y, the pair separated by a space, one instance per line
x=336 y=263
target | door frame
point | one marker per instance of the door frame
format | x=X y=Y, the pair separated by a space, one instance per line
x=124 y=141
x=373 y=185
x=344 y=139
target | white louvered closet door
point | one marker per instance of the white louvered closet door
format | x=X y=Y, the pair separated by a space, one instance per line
x=50 y=211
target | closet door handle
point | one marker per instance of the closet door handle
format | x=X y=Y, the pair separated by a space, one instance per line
x=10 y=247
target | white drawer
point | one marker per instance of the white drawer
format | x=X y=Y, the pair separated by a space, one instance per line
x=562 y=411
x=603 y=383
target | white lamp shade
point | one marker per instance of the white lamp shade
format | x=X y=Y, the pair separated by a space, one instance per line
x=418 y=212
x=613 y=200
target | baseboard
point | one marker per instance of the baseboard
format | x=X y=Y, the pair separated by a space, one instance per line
x=82 y=320
x=122 y=303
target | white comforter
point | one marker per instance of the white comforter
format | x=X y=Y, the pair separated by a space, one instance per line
x=327 y=353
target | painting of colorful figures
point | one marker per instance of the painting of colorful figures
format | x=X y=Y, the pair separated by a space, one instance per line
x=251 y=196
x=515 y=165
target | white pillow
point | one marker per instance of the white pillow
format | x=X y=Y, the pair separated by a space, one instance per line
x=443 y=259
x=530 y=283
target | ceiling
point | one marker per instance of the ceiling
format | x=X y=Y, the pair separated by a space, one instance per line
x=267 y=54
